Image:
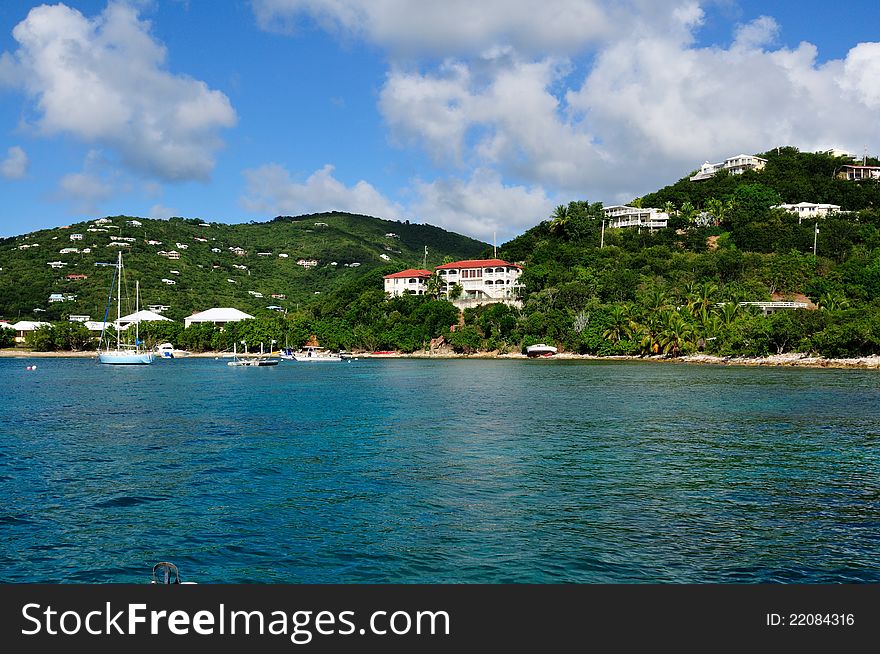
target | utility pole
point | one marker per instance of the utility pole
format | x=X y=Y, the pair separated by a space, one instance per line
x=815 y=237
x=602 y=240
x=494 y=246
x=425 y=259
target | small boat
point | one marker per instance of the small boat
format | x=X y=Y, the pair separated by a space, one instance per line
x=311 y=352
x=540 y=350
x=123 y=353
x=168 y=351
x=252 y=361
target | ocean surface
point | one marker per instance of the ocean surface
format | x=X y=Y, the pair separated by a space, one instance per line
x=438 y=471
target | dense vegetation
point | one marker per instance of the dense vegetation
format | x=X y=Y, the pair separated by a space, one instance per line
x=334 y=240
x=672 y=291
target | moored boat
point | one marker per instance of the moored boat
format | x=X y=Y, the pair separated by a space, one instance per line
x=123 y=353
x=312 y=352
x=168 y=351
x=540 y=350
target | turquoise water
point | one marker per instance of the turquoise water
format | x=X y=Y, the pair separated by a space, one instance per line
x=439 y=471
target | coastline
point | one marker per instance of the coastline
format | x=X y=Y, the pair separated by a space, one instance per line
x=791 y=360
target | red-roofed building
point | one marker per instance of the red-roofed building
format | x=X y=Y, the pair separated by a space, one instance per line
x=482 y=279
x=411 y=281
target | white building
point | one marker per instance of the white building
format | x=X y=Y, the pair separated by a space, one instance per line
x=76 y=237
x=735 y=165
x=24 y=327
x=74 y=318
x=482 y=279
x=218 y=316
x=621 y=215
x=169 y=282
x=68 y=250
x=307 y=263
x=858 y=173
x=410 y=281
x=56 y=264
x=134 y=223
x=809 y=209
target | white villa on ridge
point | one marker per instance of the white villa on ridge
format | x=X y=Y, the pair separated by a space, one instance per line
x=857 y=173
x=411 y=280
x=734 y=165
x=621 y=215
x=809 y=209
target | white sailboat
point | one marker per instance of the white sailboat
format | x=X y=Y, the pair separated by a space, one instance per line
x=123 y=353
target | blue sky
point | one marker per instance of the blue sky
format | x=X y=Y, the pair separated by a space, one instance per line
x=479 y=117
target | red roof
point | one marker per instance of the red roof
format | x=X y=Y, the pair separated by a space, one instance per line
x=410 y=272
x=476 y=263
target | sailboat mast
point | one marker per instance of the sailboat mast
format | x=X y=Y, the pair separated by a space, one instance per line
x=118 y=295
x=137 y=322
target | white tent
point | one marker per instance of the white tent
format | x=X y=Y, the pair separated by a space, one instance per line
x=218 y=316
x=143 y=315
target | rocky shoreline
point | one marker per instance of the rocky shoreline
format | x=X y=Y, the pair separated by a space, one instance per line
x=794 y=360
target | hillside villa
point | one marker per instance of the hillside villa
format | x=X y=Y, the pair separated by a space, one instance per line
x=735 y=165
x=410 y=281
x=482 y=281
x=809 y=209
x=621 y=215
x=858 y=173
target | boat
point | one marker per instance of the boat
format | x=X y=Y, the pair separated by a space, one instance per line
x=168 y=351
x=253 y=360
x=123 y=353
x=540 y=350
x=312 y=352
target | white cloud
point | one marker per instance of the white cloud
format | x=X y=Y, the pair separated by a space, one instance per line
x=103 y=81
x=452 y=25
x=270 y=189
x=15 y=165
x=596 y=100
x=481 y=205
x=162 y=212
x=85 y=191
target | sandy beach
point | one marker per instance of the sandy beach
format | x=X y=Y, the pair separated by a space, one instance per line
x=793 y=359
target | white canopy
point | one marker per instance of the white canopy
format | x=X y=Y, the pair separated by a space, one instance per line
x=218 y=316
x=143 y=316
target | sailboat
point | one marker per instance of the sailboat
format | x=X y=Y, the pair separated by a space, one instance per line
x=123 y=353
x=255 y=361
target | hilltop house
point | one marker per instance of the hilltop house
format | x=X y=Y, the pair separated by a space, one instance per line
x=482 y=279
x=218 y=316
x=76 y=276
x=621 y=215
x=855 y=173
x=735 y=165
x=307 y=263
x=76 y=237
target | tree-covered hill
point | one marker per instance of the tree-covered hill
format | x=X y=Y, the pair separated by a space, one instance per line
x=209 y=272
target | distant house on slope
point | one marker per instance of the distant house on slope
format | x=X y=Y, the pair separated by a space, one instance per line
x=735 y=165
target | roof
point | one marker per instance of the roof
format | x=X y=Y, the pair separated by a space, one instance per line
x=142 y=315
x=476 y=263
x=410 y=272
x=28 y=325
x=219 y=314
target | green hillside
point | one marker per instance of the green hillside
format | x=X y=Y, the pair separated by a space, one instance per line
x=337 y=241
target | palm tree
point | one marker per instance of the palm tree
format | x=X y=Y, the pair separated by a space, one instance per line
x=435 y=286
x=676 y=334
x=729 y=311
x=831 y=301
x=621 y=325
x=559 y=221
x=669 y=208
x=688 y=212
